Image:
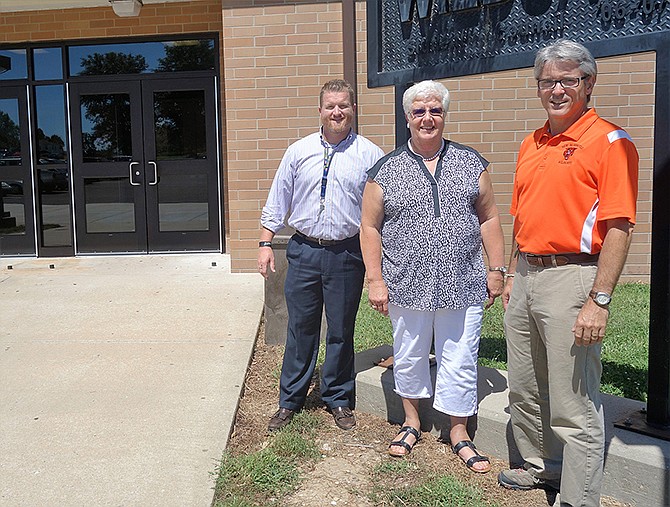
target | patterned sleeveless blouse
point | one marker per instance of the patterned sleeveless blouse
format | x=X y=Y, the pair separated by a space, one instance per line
x=431 y=238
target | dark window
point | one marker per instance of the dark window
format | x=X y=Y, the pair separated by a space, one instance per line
x=179 y=124
x=183 y=203
x=110 y=205
x=10 y=133
x=47 y=63
x=106 y=129
x=13 y=64
x=50 y=132
x=54 y=207
x=54 y=182
x=142 y=57
x=12 y=208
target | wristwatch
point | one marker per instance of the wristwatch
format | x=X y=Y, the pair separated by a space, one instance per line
x=601 y=298
x=502 y=269
x=264 y=243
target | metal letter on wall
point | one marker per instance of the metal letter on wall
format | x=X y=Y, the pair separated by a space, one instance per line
x=419 y=39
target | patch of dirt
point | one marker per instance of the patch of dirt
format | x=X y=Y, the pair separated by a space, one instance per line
x=345 y=474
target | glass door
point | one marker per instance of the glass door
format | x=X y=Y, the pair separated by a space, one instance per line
x=17 y=224
x=108 y=167
x=145 y=169
x=181 y=158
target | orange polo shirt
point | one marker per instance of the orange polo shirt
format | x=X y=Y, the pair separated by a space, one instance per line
x=568 y=185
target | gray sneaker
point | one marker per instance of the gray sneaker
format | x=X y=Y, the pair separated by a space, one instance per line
x=522 y=479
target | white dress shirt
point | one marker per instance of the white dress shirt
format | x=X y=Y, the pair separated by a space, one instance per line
x=296 y=188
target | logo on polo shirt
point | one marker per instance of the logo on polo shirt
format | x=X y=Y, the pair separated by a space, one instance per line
x=569 y=152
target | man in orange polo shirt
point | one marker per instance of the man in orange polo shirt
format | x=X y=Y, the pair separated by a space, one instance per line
x=573 y=204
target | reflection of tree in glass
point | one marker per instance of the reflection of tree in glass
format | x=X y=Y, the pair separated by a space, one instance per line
x=187 y=55
x=112 y=63
x=51 y=148
x=10 y=136
x=180 y=124
x=108 y=137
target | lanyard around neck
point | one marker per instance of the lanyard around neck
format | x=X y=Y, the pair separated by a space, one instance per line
x=327 y=160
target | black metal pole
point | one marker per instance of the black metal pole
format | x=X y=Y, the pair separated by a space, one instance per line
x=658 y=401
x=401 y=130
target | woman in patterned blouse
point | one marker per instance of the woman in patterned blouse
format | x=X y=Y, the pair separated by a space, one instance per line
x=429 y=214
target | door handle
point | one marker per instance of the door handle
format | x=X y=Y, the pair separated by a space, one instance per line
x=152 y=183
x=137 y=173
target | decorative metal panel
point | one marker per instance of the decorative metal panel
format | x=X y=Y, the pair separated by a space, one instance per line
x=419 y=39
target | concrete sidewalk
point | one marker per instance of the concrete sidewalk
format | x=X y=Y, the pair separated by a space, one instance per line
x=120 y=377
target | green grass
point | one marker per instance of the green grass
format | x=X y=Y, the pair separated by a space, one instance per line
x=395 y=466
x=439 y=491
x=625 y=348
x=626 y=345
x=372 y=328
x=427 y=491
x=444 y=491
x=253 y=479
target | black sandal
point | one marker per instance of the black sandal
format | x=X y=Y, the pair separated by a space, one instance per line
x=477 y=458
x=408 y=430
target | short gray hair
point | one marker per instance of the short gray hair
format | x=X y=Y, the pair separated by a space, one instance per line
x=425 y=90
x=566 y=50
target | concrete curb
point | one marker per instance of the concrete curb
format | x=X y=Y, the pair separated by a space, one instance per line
x=637 y=467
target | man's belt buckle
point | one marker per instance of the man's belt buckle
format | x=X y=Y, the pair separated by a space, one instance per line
x=551 y=260
x=540 y=260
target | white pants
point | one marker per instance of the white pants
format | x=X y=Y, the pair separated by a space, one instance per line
x=456 y=335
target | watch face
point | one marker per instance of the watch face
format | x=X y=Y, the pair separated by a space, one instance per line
x=602 y=298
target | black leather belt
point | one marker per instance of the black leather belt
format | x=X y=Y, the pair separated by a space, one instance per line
x=323 y=242
x=552 y=261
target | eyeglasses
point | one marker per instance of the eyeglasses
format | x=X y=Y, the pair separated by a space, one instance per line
x=421 y=112
x=566 y=82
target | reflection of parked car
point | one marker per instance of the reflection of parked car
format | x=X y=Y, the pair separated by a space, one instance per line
x=13 y=187
x=52 y=180
x=61 y=179
x=10 y=160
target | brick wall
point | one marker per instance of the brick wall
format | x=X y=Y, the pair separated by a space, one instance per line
x=275 y=56
x=279 y=53
x=69 y=24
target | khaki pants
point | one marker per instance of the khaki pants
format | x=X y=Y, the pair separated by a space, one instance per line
x=556 y=412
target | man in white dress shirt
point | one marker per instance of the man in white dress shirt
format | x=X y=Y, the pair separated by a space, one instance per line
x=319 y=187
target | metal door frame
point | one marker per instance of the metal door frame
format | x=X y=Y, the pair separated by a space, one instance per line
x=21 y=244
x=149 y=239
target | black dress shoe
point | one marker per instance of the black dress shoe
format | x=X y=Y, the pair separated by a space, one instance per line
x=281 y=418
x=344 y=417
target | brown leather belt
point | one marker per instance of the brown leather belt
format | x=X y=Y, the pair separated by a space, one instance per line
x=549 y=261
x=323 y=242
